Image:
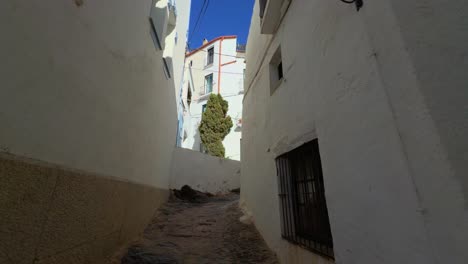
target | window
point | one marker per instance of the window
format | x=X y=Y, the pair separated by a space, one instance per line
x=167 y=70
x=189 y=95
x=280 y=70
x=304 y=213
x=203 y=109
x=154 y=35
x=208 y=84
x=262 y=7
x=276 y=71
x=271 y=14
x=210 y=56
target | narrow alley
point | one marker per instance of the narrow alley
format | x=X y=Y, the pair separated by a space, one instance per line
x=202 y=230
x=311 y=132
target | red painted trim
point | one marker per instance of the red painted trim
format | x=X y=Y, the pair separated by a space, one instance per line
x=227 y=63
x=219 y=65
x=209 y=43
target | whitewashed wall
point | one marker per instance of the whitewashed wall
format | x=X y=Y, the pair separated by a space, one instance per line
x=363 y=84
x=204 y=172
x=180 y=42
x=84 y=87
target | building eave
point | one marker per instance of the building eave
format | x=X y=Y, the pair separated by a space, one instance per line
x=208 y=43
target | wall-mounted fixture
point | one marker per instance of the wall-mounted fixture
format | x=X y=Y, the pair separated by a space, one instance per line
x=359 y=3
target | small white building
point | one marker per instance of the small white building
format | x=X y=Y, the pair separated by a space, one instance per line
x=215 y=67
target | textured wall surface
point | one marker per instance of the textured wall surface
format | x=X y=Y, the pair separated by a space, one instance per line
x=370 y=85
x=429 y=98
x=50 y=214
x=204 y=172
x=84 y=87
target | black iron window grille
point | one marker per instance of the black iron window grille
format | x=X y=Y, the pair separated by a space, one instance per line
x=304 y=213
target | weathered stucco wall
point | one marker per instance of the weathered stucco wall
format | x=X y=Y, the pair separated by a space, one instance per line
x=360 y=82
x=84 y=87
x=54 y=215
x=204 y=172
x=429 y=99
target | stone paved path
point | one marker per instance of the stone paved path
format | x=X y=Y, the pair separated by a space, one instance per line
x=199 y=233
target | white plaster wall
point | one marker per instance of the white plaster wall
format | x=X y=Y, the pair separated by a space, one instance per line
x=204 y=172
x=84 y=87
x=350 y=82
x=232 y=85
x=183 y=19
x=427 y=92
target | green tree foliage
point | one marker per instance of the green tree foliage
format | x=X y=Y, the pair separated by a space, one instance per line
x=215 y=125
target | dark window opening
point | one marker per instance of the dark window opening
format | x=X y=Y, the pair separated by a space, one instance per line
x=167 y=71
x=276 y=70
x=262 y=7
x=304 y=213
x=210 y=59
x=203 y=108
x=154 y=35
x=280 y=70
x=189 y=95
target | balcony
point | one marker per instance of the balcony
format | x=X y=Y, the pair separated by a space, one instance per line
x=163 y=16
x=172 y=13
x=271 y=13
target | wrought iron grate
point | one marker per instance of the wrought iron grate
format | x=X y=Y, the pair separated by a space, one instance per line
x=304 y=213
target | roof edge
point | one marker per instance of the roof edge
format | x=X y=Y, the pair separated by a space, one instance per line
x=209 y=43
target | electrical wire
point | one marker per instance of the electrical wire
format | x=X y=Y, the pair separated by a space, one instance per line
x=222 y=54
x=199 y=18
x=239 y=73
x=203 y=86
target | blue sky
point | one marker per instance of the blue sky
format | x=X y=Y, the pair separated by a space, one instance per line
x=223 y=17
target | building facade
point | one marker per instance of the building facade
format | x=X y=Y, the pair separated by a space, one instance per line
x=87 y=128
x=215 y=67
x=354 y=145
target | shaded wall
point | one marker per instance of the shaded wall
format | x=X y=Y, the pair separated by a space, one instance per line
x=365 y=84
x=204 y=172
x=83 y=88
x=51 y=214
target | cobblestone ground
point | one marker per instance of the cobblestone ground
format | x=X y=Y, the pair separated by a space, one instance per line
x=199 y=233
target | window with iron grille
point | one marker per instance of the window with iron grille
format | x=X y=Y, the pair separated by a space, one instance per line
x=304 y=213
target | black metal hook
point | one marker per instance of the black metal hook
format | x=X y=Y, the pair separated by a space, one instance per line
x=359 y=3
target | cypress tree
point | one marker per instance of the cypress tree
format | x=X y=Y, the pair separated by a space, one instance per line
x=215 y=125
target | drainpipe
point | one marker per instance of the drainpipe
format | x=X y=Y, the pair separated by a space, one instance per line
x=219 y=66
